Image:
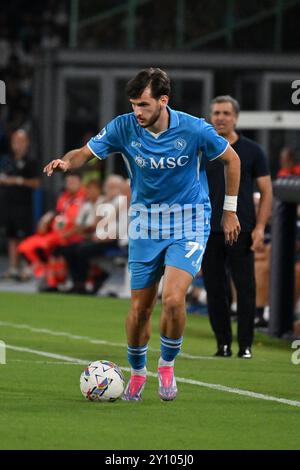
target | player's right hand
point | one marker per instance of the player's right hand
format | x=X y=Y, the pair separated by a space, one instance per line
x=231 y=226
x=56 y=165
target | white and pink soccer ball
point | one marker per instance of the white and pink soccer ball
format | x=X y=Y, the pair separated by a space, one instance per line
x=102 y=381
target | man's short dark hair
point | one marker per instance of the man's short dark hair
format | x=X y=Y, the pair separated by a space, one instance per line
x=155 y=78
x=227 y=99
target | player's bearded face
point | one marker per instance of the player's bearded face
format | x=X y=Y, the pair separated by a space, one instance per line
x=151 y=120
x=148 y=109
x=148 y=115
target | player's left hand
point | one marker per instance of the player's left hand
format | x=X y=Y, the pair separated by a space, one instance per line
x=257 y=239
x=56 y=165
x=231 y=227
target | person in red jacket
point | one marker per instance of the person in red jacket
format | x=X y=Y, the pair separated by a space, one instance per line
x=53 y=227
x=288 y=165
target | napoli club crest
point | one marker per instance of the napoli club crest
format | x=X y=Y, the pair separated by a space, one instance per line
x=180 y=144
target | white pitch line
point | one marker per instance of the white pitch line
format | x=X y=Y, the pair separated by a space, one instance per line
x=48 y=354
x=221 y=388
x=88 y=339
x=56 y=363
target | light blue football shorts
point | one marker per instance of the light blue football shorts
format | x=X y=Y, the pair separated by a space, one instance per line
x=185 y=254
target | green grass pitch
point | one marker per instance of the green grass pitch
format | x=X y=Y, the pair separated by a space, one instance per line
x=41 y=406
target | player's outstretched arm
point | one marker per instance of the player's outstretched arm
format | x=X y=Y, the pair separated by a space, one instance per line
x=230 y=221
x=70 y=161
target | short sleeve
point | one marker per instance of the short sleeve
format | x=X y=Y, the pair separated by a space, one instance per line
x=261 y=166
x=211 y=143
x=107 y=141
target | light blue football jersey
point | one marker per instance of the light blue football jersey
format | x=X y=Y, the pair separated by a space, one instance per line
x=167 y=169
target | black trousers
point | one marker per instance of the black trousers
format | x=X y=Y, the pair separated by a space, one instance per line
x=78 y=256
x=238 y=259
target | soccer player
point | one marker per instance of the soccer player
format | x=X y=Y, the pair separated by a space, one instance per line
x=165 y=152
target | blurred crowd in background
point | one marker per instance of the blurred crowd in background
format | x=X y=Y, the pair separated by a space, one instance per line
x=63 y=240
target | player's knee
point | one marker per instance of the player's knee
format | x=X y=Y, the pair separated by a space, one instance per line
x=140 y=314
x=173 y=303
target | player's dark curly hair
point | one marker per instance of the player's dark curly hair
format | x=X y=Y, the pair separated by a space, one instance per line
x=155 y=78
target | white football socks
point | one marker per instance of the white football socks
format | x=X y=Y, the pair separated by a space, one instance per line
x=162 y=363
x=142 y=371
